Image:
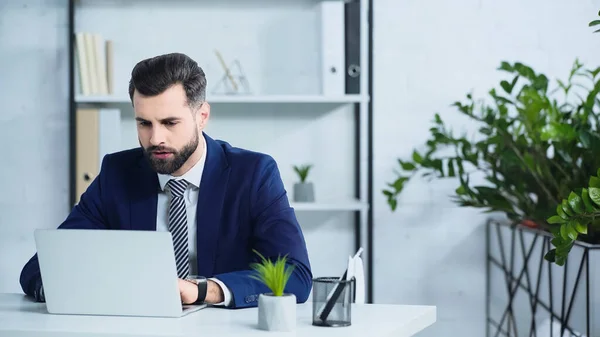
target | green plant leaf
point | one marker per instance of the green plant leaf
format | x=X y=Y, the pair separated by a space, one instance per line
x=408 y=166
x=580 y=227
x=399 y=184
x=567 y=231
x=585 y=196
x=556 y=219
x=594 y=182
x=417 y=157
x=393 y=204
x=461 y=190
x=567 y=208
x=561 y=213
x=595 y=195
x=274 y=275
x=576 y=203
x=550 y=255
x=594 y=23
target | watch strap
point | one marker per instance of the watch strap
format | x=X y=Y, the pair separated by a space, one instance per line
x=202 y=283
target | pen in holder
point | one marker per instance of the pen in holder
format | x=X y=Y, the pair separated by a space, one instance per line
x=332 y=301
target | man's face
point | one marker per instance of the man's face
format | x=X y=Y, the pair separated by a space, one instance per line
x=168 y=129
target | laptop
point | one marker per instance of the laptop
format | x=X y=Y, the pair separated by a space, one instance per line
x=109 y=272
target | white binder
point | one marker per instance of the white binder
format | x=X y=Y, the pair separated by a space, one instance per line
x=332 y=48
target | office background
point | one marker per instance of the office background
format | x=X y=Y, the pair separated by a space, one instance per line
x=426 y=55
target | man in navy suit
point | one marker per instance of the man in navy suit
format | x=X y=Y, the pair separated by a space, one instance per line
x=220 y=203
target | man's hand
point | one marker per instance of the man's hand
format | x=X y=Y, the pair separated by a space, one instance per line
x=188 y=291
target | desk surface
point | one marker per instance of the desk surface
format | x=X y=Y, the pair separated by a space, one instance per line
x=20 y=317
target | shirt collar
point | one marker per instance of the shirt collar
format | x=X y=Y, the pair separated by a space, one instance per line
x=193 y=176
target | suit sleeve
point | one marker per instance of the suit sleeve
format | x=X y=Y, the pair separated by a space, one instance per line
x=87 y=214
x=276 y=232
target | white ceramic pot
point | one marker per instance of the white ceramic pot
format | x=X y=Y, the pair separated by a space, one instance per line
x=277 y=313
x=304 y=192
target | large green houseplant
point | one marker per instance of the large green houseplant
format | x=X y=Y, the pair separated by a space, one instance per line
x=537 y=139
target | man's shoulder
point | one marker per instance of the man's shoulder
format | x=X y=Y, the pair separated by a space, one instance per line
x=245 y=159
x=124 y=158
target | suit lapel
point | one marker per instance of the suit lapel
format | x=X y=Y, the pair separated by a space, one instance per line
x=210 y=205
x=144 y=196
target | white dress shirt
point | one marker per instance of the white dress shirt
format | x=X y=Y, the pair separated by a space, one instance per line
x=193 y=177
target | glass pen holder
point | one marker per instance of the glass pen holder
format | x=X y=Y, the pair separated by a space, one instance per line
x=332 y=301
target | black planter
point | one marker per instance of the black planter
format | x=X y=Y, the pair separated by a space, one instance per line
x=529 y=296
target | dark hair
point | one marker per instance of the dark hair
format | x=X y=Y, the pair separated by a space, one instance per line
x=152 y=76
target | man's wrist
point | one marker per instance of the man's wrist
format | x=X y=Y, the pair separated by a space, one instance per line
x=214 y=293
x=202 y=286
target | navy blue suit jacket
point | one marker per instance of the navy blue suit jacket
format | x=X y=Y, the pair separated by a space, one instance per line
x=242 y=205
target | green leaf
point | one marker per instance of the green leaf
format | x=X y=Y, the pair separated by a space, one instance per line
x=408 y=166
x=398 y=185
x=393 y=204
x=461 y=190
x=585 y=196
x=550 y=255
x=564 y=231
x=556 y=219
x=594 y=182
x=595 y=195
x=594 y=23
x=567 y=208
x=576 y=203
x=572 y=231
x=579 y=226
x=561 y=213
x=558 y=132
x=567 y=231
x=417 y=157
x=274 y=275
x=506 y=86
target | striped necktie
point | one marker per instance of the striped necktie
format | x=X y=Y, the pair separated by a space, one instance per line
x=178 y=226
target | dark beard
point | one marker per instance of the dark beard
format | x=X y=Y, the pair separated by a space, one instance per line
x=168 y=166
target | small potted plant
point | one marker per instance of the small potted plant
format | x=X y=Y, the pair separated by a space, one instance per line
x=276 y=309
x=303 y=190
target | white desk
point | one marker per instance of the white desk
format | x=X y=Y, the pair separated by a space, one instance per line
x=20 y=317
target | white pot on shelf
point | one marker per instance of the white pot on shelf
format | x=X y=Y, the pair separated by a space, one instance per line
x=277 y=313
x=304 y=192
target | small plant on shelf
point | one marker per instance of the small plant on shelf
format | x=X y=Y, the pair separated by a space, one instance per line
x=303 y=190
x=302 y=171
x=277 y=309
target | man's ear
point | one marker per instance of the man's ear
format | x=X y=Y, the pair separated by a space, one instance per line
x=202 y=115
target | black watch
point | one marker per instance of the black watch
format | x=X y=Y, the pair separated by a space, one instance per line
x=202 y=283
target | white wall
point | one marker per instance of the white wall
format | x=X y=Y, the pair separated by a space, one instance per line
x=33 y=127
x=426 y=56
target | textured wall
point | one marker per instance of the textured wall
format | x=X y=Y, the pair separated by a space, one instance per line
x=33 y=127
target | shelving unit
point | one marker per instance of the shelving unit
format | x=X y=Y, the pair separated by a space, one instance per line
x=344 y=99
x=277 y=46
